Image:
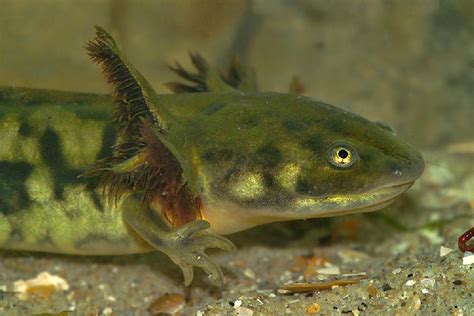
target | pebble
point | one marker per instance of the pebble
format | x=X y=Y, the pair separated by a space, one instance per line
x=243 y=311
x=372 y=291
x=410 y=283
x=313 y=309
x=333 y=270
x=468 y=258
x=43 y=285
x=168 y=304
x=249 y=273
x=396 y=271
x=443 y=251
x=349 y=256
x=386 y=287
x=427 y=283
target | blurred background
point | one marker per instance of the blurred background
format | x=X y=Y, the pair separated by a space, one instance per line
x=407 y=63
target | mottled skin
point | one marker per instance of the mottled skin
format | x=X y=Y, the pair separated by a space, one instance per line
x=251 y=157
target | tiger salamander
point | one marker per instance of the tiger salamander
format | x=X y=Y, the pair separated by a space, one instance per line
x=175 y=172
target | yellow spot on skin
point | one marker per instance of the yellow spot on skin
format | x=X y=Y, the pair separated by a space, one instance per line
x=248 y=186
x=69 y=221
x=28 y=149
x=40 y=185
x=288 y=176
x=83 y=219
x=8 y=136
x=5 y=229
x=81 y=139
x=305 y=202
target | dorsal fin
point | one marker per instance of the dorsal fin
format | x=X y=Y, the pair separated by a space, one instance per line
x=143 y=161
x=208 y=79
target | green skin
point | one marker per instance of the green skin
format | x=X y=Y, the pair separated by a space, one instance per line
x=252 y=158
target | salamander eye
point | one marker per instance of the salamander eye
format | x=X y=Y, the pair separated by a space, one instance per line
x=342 y=155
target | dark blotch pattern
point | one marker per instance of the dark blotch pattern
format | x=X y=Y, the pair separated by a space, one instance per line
x=16 y=235
x=315 y=144
x=13 y=194
x=25 y=129
x=97 y=201
x=268 y=156
x=218 y=155
x=108 y=140
x=303 y=187
x=52 y=154
x=268 y=181
x=294 y=126
x=92 y=239
x=249 y=122
x=213 y=108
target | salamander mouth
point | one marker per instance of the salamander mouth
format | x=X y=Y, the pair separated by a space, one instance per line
x=349 y=204
x=218 y=214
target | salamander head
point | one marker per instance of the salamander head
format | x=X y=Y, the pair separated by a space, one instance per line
x=298 y=158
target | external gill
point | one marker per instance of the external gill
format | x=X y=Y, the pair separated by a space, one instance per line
x=143 y=161
x=236 y=78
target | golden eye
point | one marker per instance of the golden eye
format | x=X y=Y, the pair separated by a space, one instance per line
x=342 y=155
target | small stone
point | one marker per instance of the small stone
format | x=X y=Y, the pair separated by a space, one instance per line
x=444 y=251
x=410 y=283
x=386 y=287
x=43 y=285
x=468 y=258
x=372 y=291
x=349 y=255
x=237 y=303
x=243 y=311
x=396 y=271
x=107 y=311
x=458 y=282
x=249 y=273
x=425 y=291
x=427 y=283
x=168 y=304
x=313 y=309
x=332 y=270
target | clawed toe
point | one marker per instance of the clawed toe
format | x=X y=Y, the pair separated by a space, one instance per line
x=212 y=269
x=216 y=242
x=187 y=249
x=188 y=230
x=188 y=273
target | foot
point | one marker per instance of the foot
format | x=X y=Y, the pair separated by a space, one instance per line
x=186 y=246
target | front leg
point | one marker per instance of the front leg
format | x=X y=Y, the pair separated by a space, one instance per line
x=185 y=245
